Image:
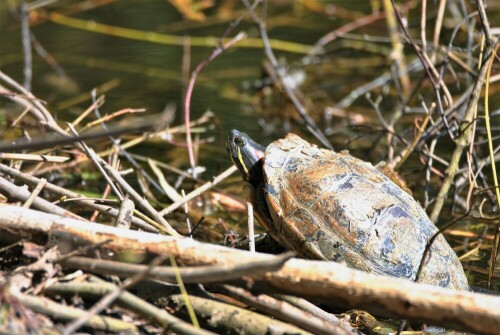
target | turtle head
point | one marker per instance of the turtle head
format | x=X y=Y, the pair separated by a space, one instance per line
x=247 y=155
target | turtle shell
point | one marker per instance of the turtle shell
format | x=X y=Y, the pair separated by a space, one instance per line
x=333 y=206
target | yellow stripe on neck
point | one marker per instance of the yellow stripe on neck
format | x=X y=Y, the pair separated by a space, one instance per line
x=240 y=157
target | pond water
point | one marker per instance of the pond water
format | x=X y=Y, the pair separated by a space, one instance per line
x=149 y=75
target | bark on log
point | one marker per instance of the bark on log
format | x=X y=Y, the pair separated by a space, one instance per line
x=327 y=281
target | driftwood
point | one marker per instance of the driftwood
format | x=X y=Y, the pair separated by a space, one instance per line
x=325 y=281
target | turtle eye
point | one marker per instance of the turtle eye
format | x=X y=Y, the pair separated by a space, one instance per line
x=239 y=141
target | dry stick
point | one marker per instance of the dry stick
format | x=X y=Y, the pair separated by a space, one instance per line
x=38 y=109
x=251 y=227
x=24 y=101
x=168 y=190
x=485 y=23
x=81 y=200
x=353 y=25
x=423 y=20
x=81 y=251
x=280 y=72
x=447 y=55
x=388 y=128
x=95 y=159
x=466 y=125
x=427 y=67
x=113 y=158
x=285 y=312
x=44 y=142
x=395 y=163
x=153 y=125
x=377 y=82
x=481 y=164
x=26 y=41
x=35 y=193
x=199 y=274
x=186 y=212
x=437 y=28
x=23 y=194
x=124 y=218
x=199 y=190
x=397 y=54
x=20 y=117
x=329 y=282
x=34 y=158
x=108 y=117
x=62 y=312
x=225 y=317
x=309 y=307
x=95 y=104
x=110 y=296
x=129 y=301
x=428 y=169
x=189 y=92
x=493 y=169
x=139 y=199
x=138 y=167
x=102 y=165
x=434 y=128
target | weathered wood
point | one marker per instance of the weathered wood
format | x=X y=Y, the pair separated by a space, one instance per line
x=326 y=281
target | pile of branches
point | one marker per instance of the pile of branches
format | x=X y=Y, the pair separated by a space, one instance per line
x=139 y=274
x=224 y=289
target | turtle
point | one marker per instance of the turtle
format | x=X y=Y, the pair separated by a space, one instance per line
x=333 y=206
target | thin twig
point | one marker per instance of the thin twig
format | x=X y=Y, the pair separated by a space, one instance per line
x=23 y=194
x=465 y=128
x=251 y=228
x=95 y=159
x=261 y=23
x=427 y=67
x=139 y=199
x=286 y=312
x=35 y=193
x=34 y=158
x=81 y=200
x=205 y=187
x=189 y=92
x=26 y=42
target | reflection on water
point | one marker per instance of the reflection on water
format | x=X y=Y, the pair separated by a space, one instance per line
x=150 y=74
